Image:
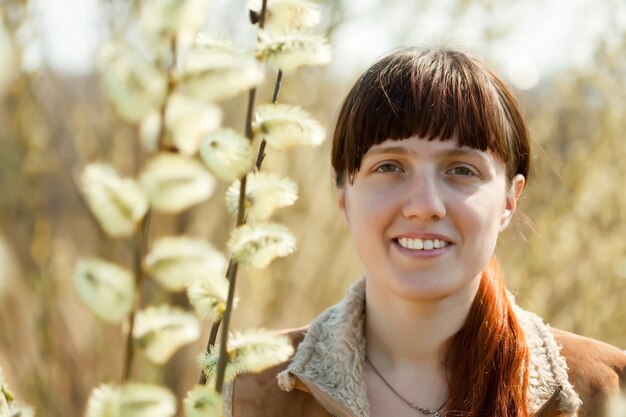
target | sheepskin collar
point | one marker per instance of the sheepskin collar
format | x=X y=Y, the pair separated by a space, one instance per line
x=332 y=353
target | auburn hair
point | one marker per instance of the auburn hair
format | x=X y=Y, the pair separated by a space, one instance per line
x=430 y=94
x=443 y=94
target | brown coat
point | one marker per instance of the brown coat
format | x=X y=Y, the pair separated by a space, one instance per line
x=325 y=375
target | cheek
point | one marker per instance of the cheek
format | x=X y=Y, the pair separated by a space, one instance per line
x=367 y=212
x=484 y=213
x=362 y=210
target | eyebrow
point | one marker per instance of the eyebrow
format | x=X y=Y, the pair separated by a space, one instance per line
x=465 y=151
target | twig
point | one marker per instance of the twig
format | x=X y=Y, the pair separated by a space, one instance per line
x=141 y=241
x=214 y=329
x=261 y=154
x=171 y=84
x=233 y=265
x=232 y=276
x=223 y=358
x=141 y=238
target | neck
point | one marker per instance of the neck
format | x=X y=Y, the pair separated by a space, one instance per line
x=401 y=332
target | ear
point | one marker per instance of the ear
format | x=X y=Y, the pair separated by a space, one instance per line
x=343 y=204
x=341 y=197
x=512 y=196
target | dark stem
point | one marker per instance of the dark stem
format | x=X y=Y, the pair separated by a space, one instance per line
x=279 y=78
x=263 y=12
x=141 y=241
x=223 y=359
x=249 y=113
x=232 y=279
x=141 y=238
x=261 y=154
x=231 y=274
x=212 y=338
x=214 y=329
x=234 y=265
x=213 y=335
x=171 y=84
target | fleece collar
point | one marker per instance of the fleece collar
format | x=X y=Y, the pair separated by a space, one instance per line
x=332 y=353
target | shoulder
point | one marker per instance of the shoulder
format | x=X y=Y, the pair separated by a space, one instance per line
x=266 y=380
x=259 y=394
x=592 y=359
x=596 y=369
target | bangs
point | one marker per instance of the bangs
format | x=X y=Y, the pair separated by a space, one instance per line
x=435 y=94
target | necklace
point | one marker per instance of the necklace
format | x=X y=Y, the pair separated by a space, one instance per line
x=423 y=410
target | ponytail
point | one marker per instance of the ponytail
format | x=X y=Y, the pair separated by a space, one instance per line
x=486 y=360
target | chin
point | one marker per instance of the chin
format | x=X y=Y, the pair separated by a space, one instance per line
x=422 y=291
x=422 y=295
x=431 y=288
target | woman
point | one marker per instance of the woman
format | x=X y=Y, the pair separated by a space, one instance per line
x=430 y=156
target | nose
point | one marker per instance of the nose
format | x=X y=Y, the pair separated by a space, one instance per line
x=424 y=199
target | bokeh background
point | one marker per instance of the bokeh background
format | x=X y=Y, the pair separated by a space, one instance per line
x=564 y=256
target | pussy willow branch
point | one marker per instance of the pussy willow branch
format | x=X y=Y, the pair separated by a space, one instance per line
x=231 y=273
x=140 y=243
x=233 y=265
x=141 y=238
x=261 y=155
x=171 y=84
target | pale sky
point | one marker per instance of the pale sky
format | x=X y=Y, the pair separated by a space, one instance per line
x=545 y=35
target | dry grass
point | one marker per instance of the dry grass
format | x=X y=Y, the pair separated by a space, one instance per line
x=567 y=261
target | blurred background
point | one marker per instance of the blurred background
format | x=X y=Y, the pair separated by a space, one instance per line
x=564 y=256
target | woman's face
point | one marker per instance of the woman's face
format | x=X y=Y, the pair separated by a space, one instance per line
x=425 y=215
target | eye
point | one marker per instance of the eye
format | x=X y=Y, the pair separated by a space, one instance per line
x=462 y=171
x=387 y=167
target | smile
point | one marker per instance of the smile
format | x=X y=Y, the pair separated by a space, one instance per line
x=421 y=244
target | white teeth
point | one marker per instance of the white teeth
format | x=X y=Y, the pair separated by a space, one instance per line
x=419 y=244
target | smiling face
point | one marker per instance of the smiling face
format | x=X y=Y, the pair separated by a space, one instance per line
x=425 y=215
